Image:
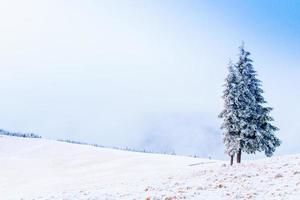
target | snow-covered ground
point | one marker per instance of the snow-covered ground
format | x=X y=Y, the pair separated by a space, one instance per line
x=46 y=169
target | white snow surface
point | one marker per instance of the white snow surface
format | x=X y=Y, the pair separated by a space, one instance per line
x=47 y=169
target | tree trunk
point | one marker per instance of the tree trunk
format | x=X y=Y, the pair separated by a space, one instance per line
x=239 y=156
x=231 y=159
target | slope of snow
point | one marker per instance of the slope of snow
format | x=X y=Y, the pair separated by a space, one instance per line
x=46 y=169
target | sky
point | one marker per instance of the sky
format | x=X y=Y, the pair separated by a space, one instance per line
x=143 y=74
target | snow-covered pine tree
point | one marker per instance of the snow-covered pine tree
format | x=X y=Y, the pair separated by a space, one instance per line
x=230 y=125
x=246 y=121
x=256 y=133
x=259 y=135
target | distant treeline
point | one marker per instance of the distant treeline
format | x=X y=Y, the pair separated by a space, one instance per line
x=117 y=148
x=32 y=135
x=77 y=142
x=24 y=135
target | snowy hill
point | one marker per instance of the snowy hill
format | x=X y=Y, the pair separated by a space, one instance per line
x=34 y=168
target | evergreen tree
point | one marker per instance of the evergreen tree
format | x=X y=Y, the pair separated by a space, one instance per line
x=229 y=114
x=252 y=126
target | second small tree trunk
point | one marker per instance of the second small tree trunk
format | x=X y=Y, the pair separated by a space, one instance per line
x=231 y=159
x=239 y=156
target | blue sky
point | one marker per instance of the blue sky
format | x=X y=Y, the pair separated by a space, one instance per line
x=143 y=74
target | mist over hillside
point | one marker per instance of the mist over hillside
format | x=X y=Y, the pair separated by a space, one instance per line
x=186 y=134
